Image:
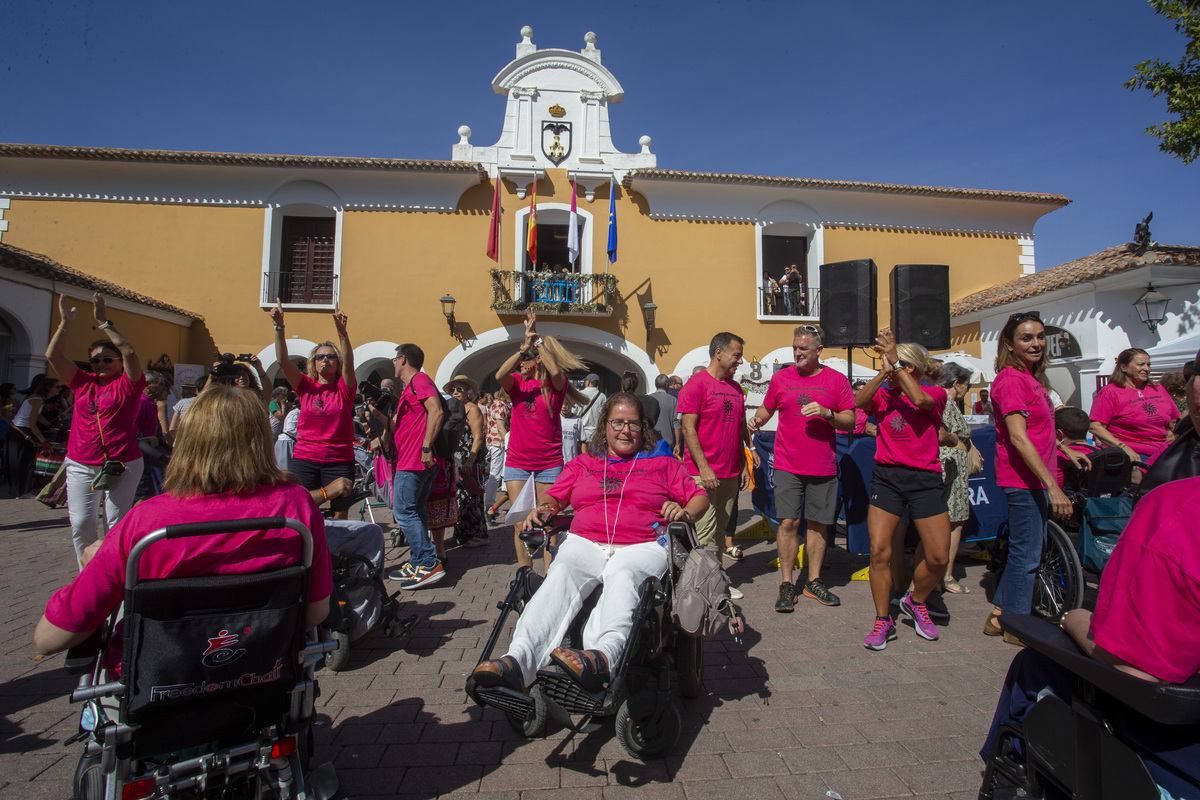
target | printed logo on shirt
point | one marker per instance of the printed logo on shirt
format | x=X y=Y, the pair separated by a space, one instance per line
x=221 y=649
x=727 y=409
x=1150 y=408
x=529 y=405
x=610 y=484
x=93 y=407
x=897 y=423
x=803 y=399
x=318 y=403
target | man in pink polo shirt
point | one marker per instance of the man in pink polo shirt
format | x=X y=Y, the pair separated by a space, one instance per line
x=813 y=402
x=713 y=411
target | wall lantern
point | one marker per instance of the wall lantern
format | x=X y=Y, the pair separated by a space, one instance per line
x=648 y=312
x=1152 y=307
x=448 y=310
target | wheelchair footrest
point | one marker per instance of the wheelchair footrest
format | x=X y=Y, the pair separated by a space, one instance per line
x=561 y=688
x=511 y=702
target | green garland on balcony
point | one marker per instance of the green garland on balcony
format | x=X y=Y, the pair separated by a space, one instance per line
x=606 y=284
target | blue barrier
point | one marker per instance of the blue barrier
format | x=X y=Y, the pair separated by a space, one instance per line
x=856 y=459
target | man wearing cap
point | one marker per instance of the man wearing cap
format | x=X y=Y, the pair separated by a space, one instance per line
x=590 y=413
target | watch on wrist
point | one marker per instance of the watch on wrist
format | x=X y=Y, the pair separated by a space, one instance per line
x=900 y=364
x=426 y=450
x=106 y=324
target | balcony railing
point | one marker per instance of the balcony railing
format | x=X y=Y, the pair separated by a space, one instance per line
x=553 y=293
x=775 y=305
x=300 y=288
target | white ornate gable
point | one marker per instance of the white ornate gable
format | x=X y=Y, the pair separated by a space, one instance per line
x=556 y=116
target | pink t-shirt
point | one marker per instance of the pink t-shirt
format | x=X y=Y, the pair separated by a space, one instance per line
x=1138 y=417
x=1015 y=391
x=860 y=420
x=108 y=412
x=721 y=407
x=147 y=416
x=807 y=445
x=535 y=436
x=325 y=431
x=411 y=419
x=631 y=491
x=1148 y=609
x=908 y=436
x=86 y=602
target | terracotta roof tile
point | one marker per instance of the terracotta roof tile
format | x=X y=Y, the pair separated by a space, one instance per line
x=1081 y=270
x=250 y=159
x=891 y=188
x=15 y=258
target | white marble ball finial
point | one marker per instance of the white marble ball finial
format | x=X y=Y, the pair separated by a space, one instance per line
x=645 y=142
x=527 y=33
x=590 y=39
x=464 y=134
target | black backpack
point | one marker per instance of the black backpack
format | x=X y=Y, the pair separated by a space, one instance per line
x=454 y=421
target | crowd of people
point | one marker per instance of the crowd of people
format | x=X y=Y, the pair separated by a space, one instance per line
x=624 y=463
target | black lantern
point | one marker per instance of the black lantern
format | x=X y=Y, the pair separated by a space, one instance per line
x=648 y=312
x=448 y=310
x=1152 y=307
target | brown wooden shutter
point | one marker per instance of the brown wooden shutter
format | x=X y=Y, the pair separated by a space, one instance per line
x=306 y=260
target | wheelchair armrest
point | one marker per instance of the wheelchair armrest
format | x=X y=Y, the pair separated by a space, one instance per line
x=538 y=536
x=339 y=504
x=82 y=657
x=685 y=534
x=1167 y=704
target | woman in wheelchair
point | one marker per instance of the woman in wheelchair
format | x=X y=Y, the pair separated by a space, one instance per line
x=620 y=489
x=207 y=479
x=1146 y=624
x=1132 y=411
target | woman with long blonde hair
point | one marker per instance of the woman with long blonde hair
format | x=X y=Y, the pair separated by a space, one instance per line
x=535 y=377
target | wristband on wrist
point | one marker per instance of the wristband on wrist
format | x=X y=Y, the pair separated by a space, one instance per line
x=278 y=327
x=105 y=325
x=324 y=496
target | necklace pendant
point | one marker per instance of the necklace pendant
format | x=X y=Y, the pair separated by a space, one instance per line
x=609 y=550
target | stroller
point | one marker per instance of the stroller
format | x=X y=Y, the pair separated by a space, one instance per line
x=360 y=601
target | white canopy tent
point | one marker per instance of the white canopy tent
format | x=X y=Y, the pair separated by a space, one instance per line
x=1171 y=356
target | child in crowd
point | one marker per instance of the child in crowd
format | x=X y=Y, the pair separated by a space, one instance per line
x=1072 y=426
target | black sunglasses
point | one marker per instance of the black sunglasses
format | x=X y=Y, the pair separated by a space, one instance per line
x=530 y=356
x=1025 y=315
x=103 y=359
x=325 y=357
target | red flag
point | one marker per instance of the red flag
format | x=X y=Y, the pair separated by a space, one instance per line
x=531 y=239
x=493 y=251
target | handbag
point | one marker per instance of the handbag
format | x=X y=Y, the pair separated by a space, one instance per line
x=472 y=478
x=111 y=470
x=48 y=462
x=700 y=604
x=974 y=462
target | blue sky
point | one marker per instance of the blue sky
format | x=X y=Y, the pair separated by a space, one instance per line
x=1024 y=95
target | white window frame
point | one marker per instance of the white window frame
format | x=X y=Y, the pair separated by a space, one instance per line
x=299 y=199
x=815 y=233
x=555 y=218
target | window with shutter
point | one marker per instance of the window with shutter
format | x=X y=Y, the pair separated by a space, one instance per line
x=306 y=264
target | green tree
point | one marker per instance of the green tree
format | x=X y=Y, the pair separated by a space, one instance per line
x=1179 y=82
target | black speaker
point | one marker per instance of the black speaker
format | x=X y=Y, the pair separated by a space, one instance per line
x=848 y=292
x=921 y=304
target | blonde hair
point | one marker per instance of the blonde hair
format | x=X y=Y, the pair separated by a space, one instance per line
x=927 y=368
x=567 y=362
x=204 y=462
x=311 y=366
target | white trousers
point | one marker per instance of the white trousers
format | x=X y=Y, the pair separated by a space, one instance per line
x=578 y=566
x=83 y=504
x=495 y=478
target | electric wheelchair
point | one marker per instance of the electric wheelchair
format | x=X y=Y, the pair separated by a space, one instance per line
x=1082 y=747
x=638 y=694
x=215 y=691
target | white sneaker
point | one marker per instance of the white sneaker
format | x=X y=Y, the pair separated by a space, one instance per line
x=735 y=593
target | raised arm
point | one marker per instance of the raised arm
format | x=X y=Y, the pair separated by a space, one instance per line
x=290 y=372
x=885 y=345
x=65 y=368
x=129 y=359
x=339 y=320
x=558 y=378
x=263 y=382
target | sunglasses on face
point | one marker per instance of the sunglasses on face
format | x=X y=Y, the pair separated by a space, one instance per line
x=103 y=359
x=530 y=356
x=325 y=357
x=1026 y=315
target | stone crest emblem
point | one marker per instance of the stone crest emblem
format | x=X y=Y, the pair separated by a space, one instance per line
x=556 y=141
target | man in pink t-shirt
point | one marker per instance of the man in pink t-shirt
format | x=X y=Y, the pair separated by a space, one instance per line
x=713 y=411
x=417 y=422
x=813 y=402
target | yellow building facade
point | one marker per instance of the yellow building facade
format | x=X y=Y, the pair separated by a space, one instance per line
x=387 y=239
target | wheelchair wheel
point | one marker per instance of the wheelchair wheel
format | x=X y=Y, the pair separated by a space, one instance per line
x=1058 y=584
x=338 y=659
x=648 y=724
x=533 y=724
x=89 y=778
x=689 y=663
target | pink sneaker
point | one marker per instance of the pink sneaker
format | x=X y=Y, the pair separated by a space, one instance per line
x=883 y=632
x=920 y=617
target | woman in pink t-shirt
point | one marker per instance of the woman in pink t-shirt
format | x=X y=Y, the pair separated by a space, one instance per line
x=906 y=481
x=207 y=480
x=1132 y=411
x=1025 y=456
x=325 y=433
x=620 y=488
x=535 y=378
x=103 y=458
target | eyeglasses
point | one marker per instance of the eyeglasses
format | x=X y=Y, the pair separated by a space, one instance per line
x=325 y=357
x=103 y=359
x=1026 y=315
x=619 y=425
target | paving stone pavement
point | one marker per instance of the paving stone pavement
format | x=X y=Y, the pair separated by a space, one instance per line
x=798 y=710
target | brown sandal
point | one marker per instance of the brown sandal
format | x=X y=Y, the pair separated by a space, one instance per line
x=991 y=627
x=504 y=671
x=589 y=668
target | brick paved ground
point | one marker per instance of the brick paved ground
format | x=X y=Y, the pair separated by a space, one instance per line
x=798 y=710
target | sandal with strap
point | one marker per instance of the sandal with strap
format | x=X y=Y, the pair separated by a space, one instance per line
x=504 y=671
x=735 y=553
x=589 y=668
x=954 y=587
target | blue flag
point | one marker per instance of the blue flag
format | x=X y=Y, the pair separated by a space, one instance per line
x=612 y=222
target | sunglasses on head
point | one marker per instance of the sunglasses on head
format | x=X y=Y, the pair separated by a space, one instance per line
x=104 y=359
x=1026 y=315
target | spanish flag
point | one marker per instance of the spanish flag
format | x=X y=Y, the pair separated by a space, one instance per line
x=531 y=239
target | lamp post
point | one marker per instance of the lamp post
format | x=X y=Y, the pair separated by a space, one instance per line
x=448 y=310
x=1152 y=307
x=648 y=312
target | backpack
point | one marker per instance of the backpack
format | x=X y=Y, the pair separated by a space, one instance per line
x=454 y=421
x=701 y=605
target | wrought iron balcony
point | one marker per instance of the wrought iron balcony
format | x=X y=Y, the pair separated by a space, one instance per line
x=551 y=293
x=300 y=288
x=807 y=304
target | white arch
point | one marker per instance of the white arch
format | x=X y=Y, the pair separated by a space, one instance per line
x=295 y=347
x=594 y=340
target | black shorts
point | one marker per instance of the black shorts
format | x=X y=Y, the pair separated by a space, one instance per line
x=919 y=492
x=315 y=475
